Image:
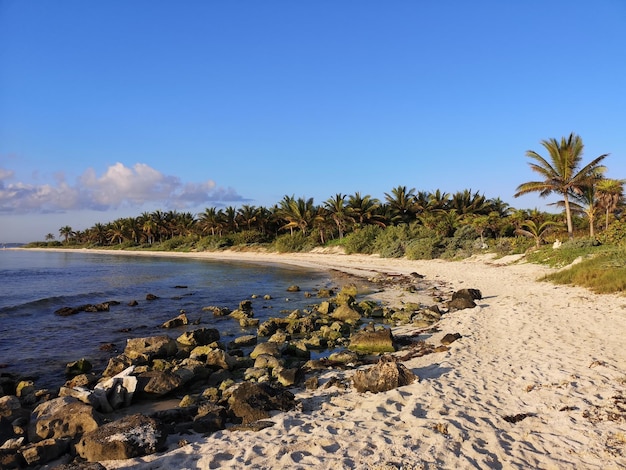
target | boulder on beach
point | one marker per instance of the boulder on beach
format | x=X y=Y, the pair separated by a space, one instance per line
x=378 y=340
x=62 y=417
x=132 y=436
x=386 y=375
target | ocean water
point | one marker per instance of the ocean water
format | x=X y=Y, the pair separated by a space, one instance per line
x=37 y=343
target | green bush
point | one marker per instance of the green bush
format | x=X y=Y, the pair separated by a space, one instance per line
x=424 y=248
x=362 y=240
x=249 y=237
x=392 y=241
x=298 y=242
x=615 y=234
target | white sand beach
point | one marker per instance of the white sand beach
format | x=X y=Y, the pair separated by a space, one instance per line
x=552 y=358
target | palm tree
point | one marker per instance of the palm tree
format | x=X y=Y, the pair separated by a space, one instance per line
x=609 y=193
x=209 y=220
x=560 y=173
x=66 y=232
x=248 y=215
x=336 y=207
x=363 y=210
x=402 y=204
x=532 y=230
x=49 y=237
x=298 y=213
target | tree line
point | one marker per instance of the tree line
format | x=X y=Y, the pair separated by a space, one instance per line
x=584 y=190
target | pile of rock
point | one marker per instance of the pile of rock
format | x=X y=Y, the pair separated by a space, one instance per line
x=216 y=385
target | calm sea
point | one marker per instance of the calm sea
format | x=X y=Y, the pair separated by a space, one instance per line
x=33 y=285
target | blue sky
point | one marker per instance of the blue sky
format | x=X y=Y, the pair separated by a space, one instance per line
x=109 y=109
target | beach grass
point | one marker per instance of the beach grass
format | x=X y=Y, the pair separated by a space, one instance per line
x=600 y=268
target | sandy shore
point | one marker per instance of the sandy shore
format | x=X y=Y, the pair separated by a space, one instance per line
x=551 y=358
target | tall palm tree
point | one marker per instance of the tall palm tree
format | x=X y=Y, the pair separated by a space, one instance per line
x=298 y=213
x=248 y=215
x=561 y=172
x=363 y=210
x=609 y=193
x=336 y=208
x=209 y=220
x=402 y=204
x=66 y=232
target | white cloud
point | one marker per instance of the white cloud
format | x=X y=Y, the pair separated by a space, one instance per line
x=119 y=186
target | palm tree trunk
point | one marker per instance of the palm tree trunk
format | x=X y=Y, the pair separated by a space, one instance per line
x=568 y=217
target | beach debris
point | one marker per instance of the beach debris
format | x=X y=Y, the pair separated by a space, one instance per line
x=386 y=375
x=132 y=436
x=441 y=428
x=517 y=417
x=613 y=410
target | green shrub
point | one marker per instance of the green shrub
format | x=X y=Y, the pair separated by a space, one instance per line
x=362 y=240
x=424 y=248
x=298 y=242
x=249 y=237
x=392 y=241
x=615 y=234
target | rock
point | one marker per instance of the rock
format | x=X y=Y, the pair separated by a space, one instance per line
x=11 y=408
x=117 y=364
x=271 y=326
x=346 y=314
x=253 y=401
x=82 y=366
x=287 y=377
x=81 y=466
x=62 y=417
x=210 y=418
x=471 y=294
x=151 y=297
x=450 y=338
x=175 y=322
x=378 y=341
x=386 y=375
x=157 y=383
x=45 y=451
x=220 y=359
x=460 y=303
x=344 y=357
x=293 y=288
x=270 y=348
x=132 y=436
x=243 y=341
x=117 y=391
x=150 y=347
x=199 y=337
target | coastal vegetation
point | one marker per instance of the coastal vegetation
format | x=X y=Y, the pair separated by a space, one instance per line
x=408 y=223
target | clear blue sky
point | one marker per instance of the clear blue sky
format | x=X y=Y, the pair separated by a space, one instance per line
x=109 y=109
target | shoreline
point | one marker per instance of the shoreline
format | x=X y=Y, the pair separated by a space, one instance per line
x=531 y=383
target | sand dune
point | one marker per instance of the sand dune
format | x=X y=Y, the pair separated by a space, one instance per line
x=538 y=380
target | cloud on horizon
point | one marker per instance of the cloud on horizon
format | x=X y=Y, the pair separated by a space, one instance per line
x=119 y=186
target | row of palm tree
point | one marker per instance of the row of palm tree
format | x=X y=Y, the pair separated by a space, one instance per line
x=584 y=191
x=334 y=218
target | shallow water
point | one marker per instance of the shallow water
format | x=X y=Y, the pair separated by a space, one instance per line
x=34 y=341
